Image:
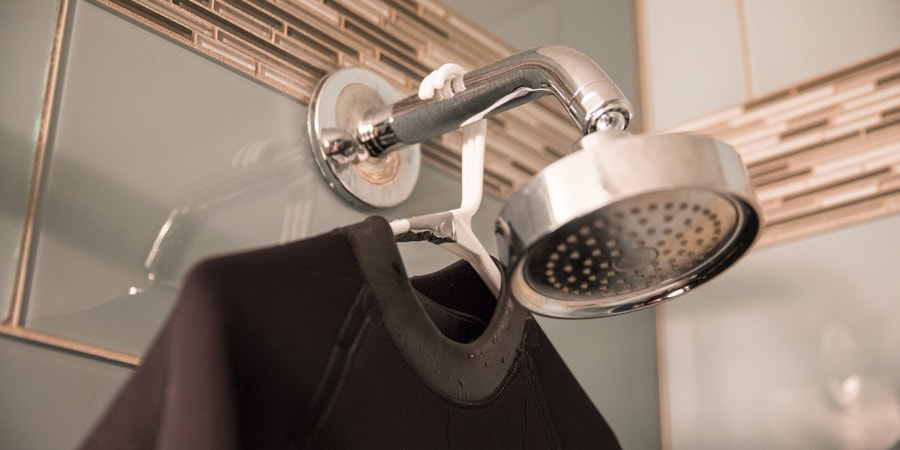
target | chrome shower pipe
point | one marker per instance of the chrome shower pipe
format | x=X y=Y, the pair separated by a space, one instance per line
x=589 y=96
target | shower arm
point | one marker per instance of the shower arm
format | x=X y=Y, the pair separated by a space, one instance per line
x=591 y=99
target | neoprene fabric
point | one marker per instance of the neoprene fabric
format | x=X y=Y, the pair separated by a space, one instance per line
x=325 y=343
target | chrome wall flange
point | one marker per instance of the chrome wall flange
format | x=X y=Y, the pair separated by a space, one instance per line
x=336 y=112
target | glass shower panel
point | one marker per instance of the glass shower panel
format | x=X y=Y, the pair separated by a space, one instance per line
x=796 y=347
x=161 y=158
x=26 y=35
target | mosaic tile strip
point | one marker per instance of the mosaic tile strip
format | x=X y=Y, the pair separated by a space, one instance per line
x=291 y=44
x=822 y=154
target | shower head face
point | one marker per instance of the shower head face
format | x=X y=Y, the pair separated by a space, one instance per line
x=631 y=246
x=639 y=221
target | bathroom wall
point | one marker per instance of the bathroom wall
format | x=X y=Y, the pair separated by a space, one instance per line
x=794 y=347
x=26 y=35
x=146 y=124
x=798 y=346
x=145 y=127
x=702 y=56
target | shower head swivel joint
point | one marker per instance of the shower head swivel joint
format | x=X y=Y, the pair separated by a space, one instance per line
x=622 y=223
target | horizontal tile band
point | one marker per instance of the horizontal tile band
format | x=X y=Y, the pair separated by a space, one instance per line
x=821 y=154
x=291 y=44
x=793 y=140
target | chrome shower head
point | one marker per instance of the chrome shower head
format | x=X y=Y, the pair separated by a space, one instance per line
x=626 y=222
x=622 y=223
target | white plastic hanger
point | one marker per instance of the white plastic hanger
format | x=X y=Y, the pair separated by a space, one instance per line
x=452 y=230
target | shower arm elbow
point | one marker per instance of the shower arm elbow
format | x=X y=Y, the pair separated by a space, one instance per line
x=589 y=96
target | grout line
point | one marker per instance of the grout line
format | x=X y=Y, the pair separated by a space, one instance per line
x=665 y=433
x=665 y=424
x=745 y=47
x=14 y=319
x=643 y=78
x=65 y=344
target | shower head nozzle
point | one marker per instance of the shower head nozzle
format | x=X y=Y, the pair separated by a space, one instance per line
x=625 y=223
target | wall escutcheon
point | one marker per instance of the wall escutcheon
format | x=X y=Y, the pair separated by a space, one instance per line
x=338 y=104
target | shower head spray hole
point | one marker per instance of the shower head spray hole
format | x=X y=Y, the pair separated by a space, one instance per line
x=617 y=250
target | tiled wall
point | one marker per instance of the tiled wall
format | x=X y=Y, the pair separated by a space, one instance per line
x=140 y=124
x=806 y=90
x=786 y=43
x=809 y=100
x=821 y=154
x=290 y=45
x=23 y=72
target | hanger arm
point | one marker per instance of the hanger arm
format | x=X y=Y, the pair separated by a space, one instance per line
x=452 y=230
